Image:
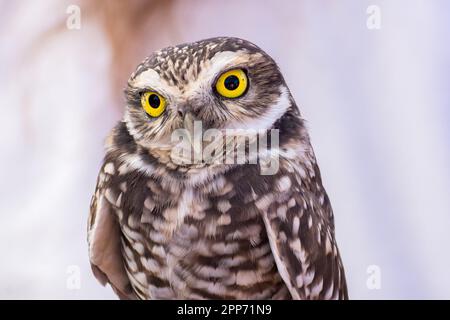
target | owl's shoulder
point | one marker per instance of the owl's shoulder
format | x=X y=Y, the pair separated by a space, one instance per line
x=119 y=140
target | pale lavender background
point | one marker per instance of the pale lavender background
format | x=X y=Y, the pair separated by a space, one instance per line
x=377 y=105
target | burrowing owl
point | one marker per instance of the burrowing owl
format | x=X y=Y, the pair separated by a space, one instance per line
x=164 y=227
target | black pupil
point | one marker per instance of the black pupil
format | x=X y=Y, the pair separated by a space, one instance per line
x=154 y=101
x=231 y=82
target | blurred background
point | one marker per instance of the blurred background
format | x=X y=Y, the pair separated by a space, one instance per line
x=371 y=77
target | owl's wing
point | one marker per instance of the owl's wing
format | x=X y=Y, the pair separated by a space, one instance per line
x=300 y=228
x=104 y=241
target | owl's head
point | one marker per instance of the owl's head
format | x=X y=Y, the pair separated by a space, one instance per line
x=226 y=83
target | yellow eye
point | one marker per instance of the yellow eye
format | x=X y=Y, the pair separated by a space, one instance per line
x=232 y=84
x=153 y=103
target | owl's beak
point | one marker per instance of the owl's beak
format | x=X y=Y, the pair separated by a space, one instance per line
x=194 y=131
x=185 y=113
x=188 y=122
x=186 y=107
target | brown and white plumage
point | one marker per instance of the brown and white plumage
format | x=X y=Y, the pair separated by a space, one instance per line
x=161 y=230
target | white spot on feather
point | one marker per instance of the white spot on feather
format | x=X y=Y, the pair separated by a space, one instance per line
x=296 y=225
x=224 y=219
x=281 y=212
x=223 y=206
x=291 y=203
x=109 y=168
x=246 y=278
x=284 y=183
x=299 y=281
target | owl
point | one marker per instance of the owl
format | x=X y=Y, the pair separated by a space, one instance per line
x=167 y=223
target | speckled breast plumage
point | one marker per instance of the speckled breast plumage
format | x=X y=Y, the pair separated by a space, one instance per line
x=216 y=250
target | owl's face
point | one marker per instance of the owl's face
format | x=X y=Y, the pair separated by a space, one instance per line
x=226 y=83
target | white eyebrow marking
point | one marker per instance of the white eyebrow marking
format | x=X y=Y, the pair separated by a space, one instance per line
x=146 y=78
x=151 y=79
x=209 y=70
x=221 y=61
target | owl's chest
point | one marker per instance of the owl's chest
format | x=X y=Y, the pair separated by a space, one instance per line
x=203 y=242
